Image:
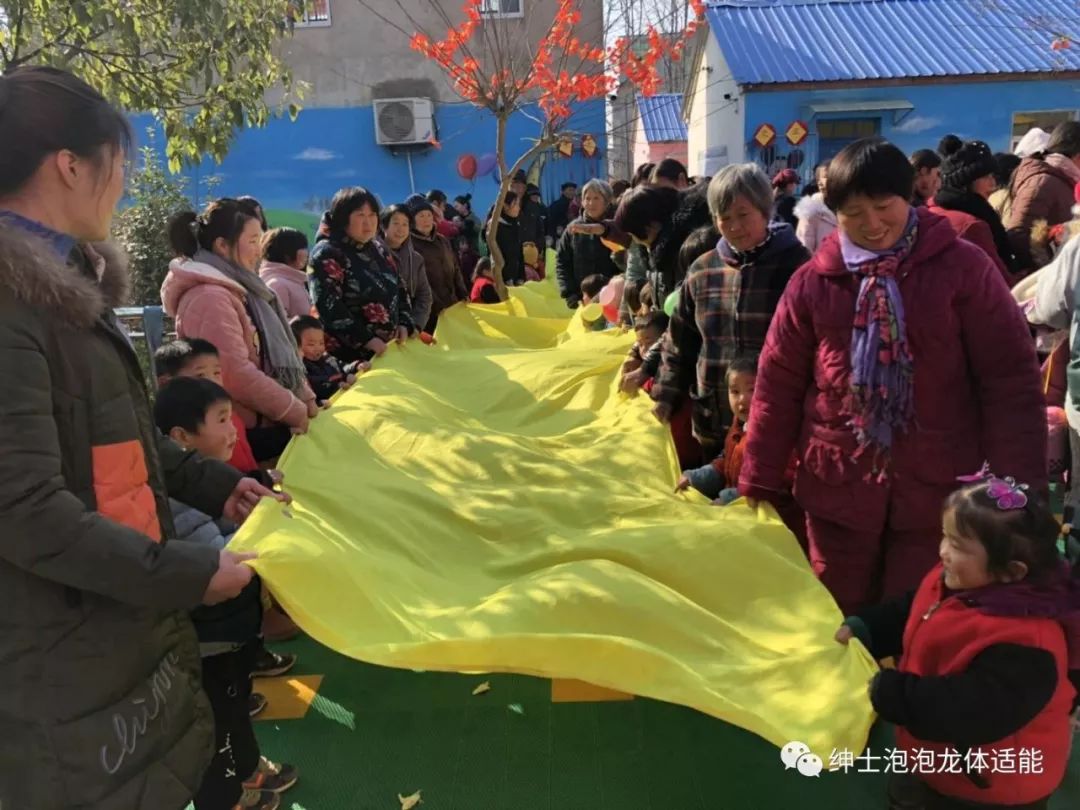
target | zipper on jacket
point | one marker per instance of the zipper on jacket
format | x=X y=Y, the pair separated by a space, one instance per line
x=930 y=611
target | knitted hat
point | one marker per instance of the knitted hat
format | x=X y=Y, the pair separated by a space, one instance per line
x=785 y=178
x=970 y=161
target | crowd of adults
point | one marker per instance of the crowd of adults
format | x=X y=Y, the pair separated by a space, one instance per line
x=891 y=358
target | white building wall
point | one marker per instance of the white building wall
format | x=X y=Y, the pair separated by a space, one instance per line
x=641 y=144
x=717 y=115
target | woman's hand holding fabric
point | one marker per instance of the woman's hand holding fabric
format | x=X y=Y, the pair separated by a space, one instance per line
x=302 y=428
x=376 y=346
x=231 y=577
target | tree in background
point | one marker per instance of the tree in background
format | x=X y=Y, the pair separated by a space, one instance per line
x=154 y=196
x=202 y=67
x=489 y=66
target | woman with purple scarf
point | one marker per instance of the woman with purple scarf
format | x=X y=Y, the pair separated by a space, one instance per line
x=897 y=361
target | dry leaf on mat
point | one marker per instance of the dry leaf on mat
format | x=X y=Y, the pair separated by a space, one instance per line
x=484 y=687
x=409 y=802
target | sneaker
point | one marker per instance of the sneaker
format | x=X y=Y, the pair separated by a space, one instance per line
x=256 y=703
x=272 y=776
x=258 y=800
x=277 y=626
x=269 y=664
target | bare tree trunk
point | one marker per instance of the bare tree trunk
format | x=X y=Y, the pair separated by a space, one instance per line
x=498 y=261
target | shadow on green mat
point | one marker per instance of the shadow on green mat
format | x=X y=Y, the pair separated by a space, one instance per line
x=374 y=733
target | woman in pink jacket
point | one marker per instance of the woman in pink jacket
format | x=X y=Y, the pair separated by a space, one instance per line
x=897 y=360
x=284 y=269
x=214 y=293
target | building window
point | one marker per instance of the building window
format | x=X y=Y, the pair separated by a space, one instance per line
x=850 y=129
x=836 y=133
x=309 y=13
x=1045 y=120
x=502 y=8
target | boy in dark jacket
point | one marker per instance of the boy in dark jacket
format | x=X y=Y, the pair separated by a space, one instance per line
x=325 y=374
x=197 y=414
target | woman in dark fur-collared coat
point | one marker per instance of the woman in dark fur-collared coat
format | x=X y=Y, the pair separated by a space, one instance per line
x=100 y=697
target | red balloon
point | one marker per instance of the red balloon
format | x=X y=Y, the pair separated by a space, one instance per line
x=466 y=166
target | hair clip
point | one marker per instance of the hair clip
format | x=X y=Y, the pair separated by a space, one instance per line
x=1008 y=494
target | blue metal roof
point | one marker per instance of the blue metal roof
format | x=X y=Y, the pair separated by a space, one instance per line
x=780 y=41
x=661 y=116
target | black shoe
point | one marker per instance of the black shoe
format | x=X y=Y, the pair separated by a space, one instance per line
x=269 y=664
x=256 y=703
x=272 y=776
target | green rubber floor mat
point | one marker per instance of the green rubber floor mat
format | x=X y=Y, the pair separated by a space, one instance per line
x=370 y=734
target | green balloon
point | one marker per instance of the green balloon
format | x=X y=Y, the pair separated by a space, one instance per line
x=671 y=304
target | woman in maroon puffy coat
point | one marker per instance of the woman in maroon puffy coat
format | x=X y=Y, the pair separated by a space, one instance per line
x=896 y=361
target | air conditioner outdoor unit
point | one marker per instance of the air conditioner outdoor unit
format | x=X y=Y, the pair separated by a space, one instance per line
x=403 y=121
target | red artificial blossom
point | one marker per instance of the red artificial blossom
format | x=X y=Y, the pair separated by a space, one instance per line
x=594 y=70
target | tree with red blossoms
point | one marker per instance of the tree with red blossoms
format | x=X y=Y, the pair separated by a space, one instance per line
x=491 y=69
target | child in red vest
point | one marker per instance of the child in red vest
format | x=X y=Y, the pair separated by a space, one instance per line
x=983 y=681
x=483 y=288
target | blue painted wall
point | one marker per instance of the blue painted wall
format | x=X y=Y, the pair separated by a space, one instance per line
x=982 y=111
x=294 y=166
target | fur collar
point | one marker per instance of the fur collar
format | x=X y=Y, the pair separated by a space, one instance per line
x=31 y=272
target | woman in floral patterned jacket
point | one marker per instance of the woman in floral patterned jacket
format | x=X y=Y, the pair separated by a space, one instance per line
x=357 y=291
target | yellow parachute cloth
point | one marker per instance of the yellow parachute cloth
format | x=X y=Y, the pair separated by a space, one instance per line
x=493 y=503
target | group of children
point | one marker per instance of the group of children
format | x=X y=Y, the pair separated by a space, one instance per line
x=193 y=408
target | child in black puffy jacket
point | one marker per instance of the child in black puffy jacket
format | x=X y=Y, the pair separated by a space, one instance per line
x=324 y=373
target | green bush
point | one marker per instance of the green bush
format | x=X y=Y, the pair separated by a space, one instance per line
x=154 y=196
